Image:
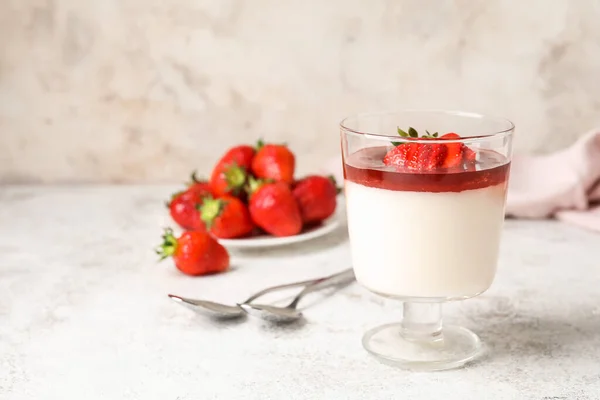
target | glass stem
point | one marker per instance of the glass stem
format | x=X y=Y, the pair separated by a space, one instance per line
x=422 y=321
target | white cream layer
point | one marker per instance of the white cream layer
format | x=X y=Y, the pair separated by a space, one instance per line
x=423 y=244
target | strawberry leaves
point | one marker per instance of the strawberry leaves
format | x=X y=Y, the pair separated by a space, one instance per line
x=338 y=189
x=413 y=134
x=168 y=246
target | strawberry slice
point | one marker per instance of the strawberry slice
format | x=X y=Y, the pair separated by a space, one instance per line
x=454 y=155
x=435 y=156
x=424 y=157
x=470 y=159
x=416 y=156
x=470 y=155
x=400 y=155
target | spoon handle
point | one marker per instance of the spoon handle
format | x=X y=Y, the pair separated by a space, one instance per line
x=280 y=287
x=344 y=277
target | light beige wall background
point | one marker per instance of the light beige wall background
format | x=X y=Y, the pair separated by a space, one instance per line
x=146 y=90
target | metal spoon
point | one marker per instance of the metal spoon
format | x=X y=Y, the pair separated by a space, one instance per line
x=290 y=312
x=225 y=311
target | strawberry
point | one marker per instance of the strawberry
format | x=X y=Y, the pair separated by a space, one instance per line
x=199 y=186
x=184 y=211
x=417 y=156
x=226 y=217
x=316 y=197
x=470 y=158
x=194 y=253
x=455 y=151
x=275 y=162
x=274 y=209
x=231 y=171
x=195 y=186
x=470 y=155
x=429 y=157
x=459 y=155
x=182 y=205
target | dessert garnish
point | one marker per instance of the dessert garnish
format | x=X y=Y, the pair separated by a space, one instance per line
x=424 y=157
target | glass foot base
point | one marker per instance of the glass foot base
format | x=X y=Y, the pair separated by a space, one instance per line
x=455 y=347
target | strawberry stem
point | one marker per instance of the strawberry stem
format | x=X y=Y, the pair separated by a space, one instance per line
x=338 y=189
x=253 y=185
x=259 y=144
x=235 y=176
x=168 y=246
x=194 y=178
x=210 y=210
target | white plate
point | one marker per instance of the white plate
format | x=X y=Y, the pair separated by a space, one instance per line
x=268 y=241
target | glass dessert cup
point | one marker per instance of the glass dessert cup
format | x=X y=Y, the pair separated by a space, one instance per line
x=425 y=193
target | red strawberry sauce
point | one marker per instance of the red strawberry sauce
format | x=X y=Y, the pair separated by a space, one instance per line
x=365 y=167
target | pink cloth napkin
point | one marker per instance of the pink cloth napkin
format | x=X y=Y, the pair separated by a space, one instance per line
x=564 y=185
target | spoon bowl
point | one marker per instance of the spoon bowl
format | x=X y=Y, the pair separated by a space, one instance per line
x=225 y=311
x=210 y=308
x=272 y=313
x=268 y=312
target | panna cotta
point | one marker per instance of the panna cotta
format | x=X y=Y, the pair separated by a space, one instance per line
x=425 y=234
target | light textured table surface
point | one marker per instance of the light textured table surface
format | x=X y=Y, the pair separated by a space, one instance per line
x=84 y=313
